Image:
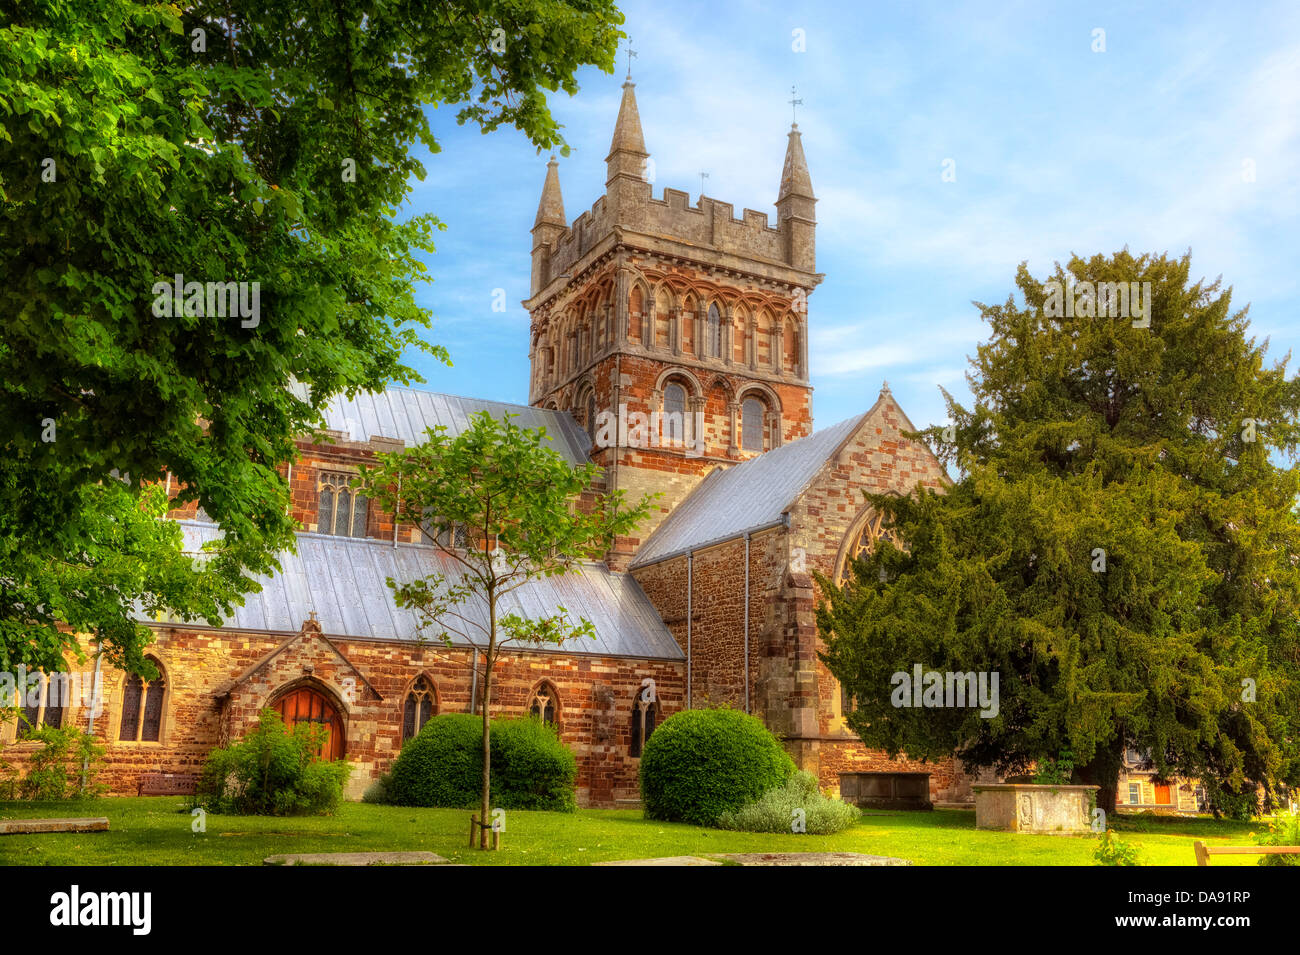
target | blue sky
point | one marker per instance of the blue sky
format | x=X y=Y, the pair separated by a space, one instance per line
x=1057 y=149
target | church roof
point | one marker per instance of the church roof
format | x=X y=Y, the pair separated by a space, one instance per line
x=406 y=414
x=746 y=498
x=342 y=579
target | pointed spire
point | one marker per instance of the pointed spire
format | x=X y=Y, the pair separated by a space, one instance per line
x=551 y=209
x=795 y=180
x=627 y=131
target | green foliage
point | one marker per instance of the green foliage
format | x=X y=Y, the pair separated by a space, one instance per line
x=1117 y=547
x=699 y=764
x=520 y=504
x=1055 y=772
x=1112 y=850
x=1283 y=830
x=776 y=810
x=1229 y=803
x=273 y=772
x=225 y=163
x=531 y=768
x=443 y=766
x=57 y=768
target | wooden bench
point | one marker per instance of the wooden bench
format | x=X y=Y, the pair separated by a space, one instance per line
x=166 y=784
x=1203 y=852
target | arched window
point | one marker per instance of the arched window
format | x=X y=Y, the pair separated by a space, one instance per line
x=591 y=416
x=142 y=707
x=343 y=510
x=862 y=541
x=418 y=707
x=543 y=704
x=42 y=704
x=645 y=715
x=673 y=426
x=714 y=334
x=751 y=424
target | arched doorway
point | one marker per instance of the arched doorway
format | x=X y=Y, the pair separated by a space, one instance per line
x=305 y=704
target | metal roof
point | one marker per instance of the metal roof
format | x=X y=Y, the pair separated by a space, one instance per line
x=749 y=496
x=407 y=414
x=342 y=579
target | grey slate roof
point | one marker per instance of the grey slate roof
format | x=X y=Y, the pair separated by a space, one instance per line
x=343 y=580
x=406 y=413
x=746 y=497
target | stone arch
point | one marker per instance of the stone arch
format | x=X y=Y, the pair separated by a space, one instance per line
x=640 y=303
x=764 y=323
x=144 y=712
x=866 y=530
x=542 y=692
x=685 y=330
x=297 y=700
x=411 y=709
x=790 y=345
x=664 y=306
x=695 y=389
x=740 y=333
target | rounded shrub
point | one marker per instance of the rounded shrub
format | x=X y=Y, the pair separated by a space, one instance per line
x=796 y=806
x=699 y=764
x=531 y=768
x=442 y=765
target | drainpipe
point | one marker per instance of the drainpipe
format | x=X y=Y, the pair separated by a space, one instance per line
x=397 y=509
x=690 y=567
x=94 y=705
x=746 y=621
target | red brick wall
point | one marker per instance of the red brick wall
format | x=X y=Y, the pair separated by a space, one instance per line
x=368 y=680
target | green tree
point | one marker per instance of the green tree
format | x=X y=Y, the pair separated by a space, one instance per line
x=1121 y=548
x=233 y=142
x=521 y=508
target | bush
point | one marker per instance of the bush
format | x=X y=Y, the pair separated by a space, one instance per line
x=1112 y=850
x=700 y=764
x=57 y=767
x=272 y=772
x=531 y=768
x=1283 y=830
x=443 y=765
x=777 y=810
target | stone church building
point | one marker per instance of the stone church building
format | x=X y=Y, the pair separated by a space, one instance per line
x=669 y=344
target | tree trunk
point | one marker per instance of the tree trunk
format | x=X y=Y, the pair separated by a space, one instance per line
x=1103 y=771
x=489 y=659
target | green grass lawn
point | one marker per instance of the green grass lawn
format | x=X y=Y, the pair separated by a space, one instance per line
x=156 y=831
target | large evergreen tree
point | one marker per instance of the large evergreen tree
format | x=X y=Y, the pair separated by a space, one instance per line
x=1121 y=546
x=265 y=142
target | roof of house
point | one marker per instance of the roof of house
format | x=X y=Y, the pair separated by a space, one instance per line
x=342 y=579
x=407 y=414
x=752 y=495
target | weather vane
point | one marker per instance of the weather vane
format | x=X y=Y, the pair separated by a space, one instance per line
x=630 y=53
x=794 y=102
x=703 y=176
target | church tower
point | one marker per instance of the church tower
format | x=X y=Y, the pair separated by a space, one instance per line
x=676 y=334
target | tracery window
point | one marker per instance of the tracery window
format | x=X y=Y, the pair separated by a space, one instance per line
x=418 y=708
x=645 y=716
x=343 y=510
x=142 y=707
x=542 y=704
x=863 y=542
x=43 y=704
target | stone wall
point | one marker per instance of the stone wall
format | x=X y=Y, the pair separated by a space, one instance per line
x=217 y=681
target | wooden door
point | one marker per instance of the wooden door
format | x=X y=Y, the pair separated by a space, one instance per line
x=1163 y=797
x=305 y=705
